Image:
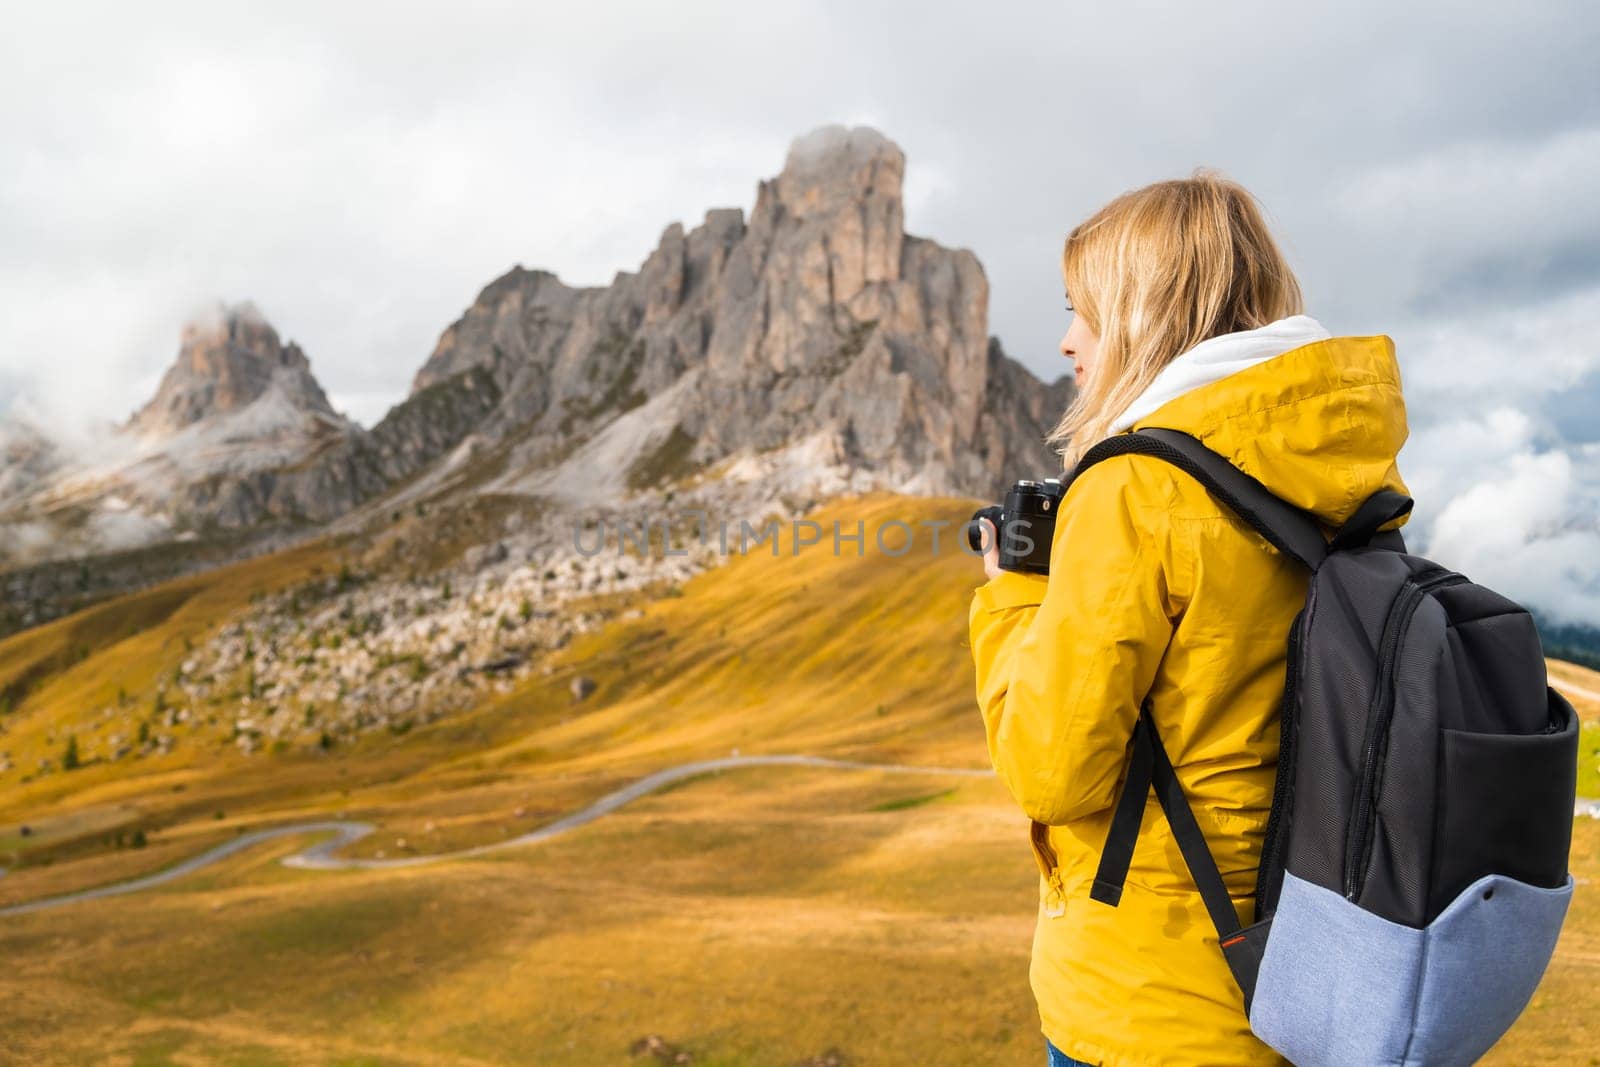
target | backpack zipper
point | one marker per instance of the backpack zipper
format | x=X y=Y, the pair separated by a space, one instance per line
x=1279 y=817
x=1378 y=717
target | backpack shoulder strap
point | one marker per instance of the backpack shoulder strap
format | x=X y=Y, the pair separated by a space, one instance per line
x=1287 y=528
x=1149 y=767
x=1362 y=527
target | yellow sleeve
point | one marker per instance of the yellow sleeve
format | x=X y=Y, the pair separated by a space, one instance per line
x=1063 y=664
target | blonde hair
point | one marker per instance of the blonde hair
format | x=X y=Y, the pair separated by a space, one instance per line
x=1155 y=272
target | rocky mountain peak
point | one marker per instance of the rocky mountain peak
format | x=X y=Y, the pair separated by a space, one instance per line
x=227 y=360
x=818 y=328
x=834 y=169
x=238 y=437
x=831 y=230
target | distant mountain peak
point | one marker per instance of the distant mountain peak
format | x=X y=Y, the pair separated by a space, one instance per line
x=230 y=442
x=228 y=358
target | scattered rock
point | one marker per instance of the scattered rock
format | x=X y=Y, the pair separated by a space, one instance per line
x=663 y=1050
x=831 y=1058
x=483 y=555
x=582 y=686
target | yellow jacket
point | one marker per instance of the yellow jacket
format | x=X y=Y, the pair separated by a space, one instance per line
x=1156 y=589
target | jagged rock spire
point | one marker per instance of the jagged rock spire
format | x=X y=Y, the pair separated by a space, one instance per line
x=228 y=359
x=818 y=316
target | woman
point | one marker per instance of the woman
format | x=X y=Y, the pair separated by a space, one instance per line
x=1187 y=317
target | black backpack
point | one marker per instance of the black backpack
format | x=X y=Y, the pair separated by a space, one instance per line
x=1413 y=878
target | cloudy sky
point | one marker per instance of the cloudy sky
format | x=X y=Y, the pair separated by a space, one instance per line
x=359 y=171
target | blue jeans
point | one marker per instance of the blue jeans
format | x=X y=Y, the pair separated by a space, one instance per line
x=1061 y=1059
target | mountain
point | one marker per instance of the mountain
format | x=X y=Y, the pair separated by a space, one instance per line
x=227 y=363
x=228 y=442
x=811 y=350
x=817 y=333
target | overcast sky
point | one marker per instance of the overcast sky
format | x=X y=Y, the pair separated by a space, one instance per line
x=360 y=171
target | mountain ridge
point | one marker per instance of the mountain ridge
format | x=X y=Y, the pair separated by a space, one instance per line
x=815 y=346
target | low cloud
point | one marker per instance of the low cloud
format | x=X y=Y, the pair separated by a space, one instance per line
x=366 y=408
x=1502 y=457
x=1514 y=531
x=1488 y=221
x=1529 y=352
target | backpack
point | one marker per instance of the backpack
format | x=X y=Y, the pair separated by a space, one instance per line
x=1413 y=877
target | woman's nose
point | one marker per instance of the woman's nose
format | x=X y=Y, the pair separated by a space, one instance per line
x=1066 y=349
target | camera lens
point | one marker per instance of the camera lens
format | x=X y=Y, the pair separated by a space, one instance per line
x=977 y=540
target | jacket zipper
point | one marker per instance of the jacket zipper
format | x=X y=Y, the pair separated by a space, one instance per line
x=1359 y=841
x=1056 y=900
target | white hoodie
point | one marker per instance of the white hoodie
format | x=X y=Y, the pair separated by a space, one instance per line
x=1218 y=357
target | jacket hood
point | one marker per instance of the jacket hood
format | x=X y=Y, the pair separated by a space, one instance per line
x=1219 y=357
x=1319 y=423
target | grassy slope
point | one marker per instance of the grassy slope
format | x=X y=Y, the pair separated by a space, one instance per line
x=1582 y=686
x=756 y=916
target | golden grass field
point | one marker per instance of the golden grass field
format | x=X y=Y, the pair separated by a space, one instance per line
x=756 y=916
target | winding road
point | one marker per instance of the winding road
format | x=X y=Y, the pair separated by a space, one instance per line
x=323 y=855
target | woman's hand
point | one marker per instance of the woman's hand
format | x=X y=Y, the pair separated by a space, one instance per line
x=991 y=550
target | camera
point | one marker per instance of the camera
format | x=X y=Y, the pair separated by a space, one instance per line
x=1025 y=524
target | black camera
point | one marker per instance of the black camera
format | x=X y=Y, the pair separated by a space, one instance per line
x=1025 y=524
